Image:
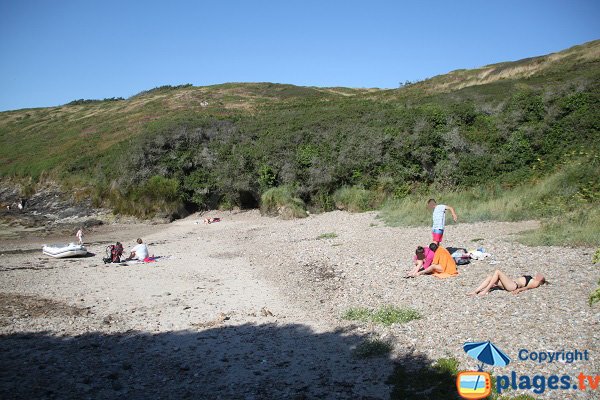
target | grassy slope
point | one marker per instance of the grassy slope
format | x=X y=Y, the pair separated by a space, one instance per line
x=47 y=139
x=59 y=138
x=541 y=66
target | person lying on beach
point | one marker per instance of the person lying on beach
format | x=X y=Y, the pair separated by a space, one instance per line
x=210 y=220
x=442 y=266
x=422 y=260
x=501 y=281
x=139 y=252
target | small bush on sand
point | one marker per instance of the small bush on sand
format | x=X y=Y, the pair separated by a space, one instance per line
x=437 y=380
x=389 y=315
x=357 y=314
x=595 y=296
x=371 y=348
x=281 y=201
x=330 y=235
x=386 y=315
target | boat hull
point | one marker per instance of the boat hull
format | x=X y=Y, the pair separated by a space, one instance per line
x=64 y=251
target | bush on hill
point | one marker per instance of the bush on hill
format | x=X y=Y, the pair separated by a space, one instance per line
x=320 y=148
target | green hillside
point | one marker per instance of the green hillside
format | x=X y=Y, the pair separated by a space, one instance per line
x=494 y=129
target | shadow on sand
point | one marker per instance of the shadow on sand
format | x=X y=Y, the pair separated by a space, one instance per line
x=267 y=361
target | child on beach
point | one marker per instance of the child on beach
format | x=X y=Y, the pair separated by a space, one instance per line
x=421 y=260
x=439 y=219
x=79 y=235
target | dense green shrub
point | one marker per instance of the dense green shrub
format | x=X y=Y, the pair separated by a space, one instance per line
x=281 y=201
x=354 y=199
x=162 y=89
x=156 y=196
x=92 y=101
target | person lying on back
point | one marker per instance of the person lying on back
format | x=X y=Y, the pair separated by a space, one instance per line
x=499 y=280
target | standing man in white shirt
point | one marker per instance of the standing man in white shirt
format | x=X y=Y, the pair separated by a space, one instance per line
x=439 y=219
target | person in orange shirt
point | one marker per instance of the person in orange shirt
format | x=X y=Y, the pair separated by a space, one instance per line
x=443 y=265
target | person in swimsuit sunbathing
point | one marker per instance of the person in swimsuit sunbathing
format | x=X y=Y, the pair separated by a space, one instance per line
x=500 y=280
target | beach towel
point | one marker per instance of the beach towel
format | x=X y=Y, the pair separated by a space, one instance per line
x=145 y=260
x=443 y=258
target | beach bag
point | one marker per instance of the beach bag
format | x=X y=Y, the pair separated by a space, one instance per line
x=460 y=256
x=462 y=260
x=113 y=253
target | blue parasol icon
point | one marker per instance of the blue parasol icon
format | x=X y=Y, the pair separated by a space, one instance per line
x=487 y=353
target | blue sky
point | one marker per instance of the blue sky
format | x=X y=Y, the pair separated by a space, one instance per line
x=55 y=51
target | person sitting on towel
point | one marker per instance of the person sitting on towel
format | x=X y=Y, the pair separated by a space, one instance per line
x=442 y=266
x=422 y=260
x=139 y=252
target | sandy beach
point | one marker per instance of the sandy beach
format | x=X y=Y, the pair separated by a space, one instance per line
x=250 y=308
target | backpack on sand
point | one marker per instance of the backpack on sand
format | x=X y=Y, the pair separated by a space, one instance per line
x=113 y=253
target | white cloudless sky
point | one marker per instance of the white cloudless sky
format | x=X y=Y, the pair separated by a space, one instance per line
x=52 y=52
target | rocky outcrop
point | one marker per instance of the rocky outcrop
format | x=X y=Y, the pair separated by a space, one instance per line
x=48 y=209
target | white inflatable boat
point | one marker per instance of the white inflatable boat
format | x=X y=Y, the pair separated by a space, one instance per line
x=64 y=250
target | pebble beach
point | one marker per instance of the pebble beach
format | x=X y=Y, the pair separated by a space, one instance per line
x=251 y=307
